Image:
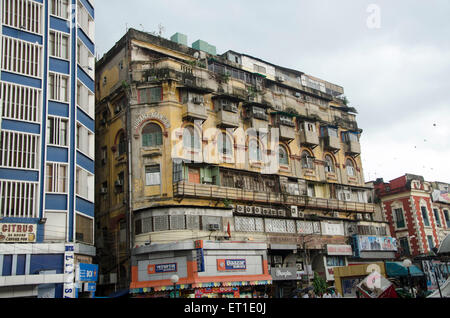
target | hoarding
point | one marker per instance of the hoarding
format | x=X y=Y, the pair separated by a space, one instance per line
x=231 y=264
x=17 y=233
x=87 y=272
x=377 y=243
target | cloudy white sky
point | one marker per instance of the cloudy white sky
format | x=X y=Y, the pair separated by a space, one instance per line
x=391 y=57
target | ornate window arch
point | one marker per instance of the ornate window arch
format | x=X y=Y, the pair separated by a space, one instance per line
x=350 y=166
x=329 y=163
x=254 y=149
x=191 y=138
x=283 y=155
x=224 y=144
x=152 y=135
x=307 y=159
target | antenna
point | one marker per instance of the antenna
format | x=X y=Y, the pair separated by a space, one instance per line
x=162 y=29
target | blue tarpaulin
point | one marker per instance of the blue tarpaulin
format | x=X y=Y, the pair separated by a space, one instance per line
x=397 y=269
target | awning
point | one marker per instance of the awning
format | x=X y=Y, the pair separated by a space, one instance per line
x=445 y=246
x=397 y=269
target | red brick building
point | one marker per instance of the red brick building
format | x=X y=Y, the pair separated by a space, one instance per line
x=417 y=218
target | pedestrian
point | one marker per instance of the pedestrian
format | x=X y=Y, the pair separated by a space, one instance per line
x=305 y=295
x=327 y=295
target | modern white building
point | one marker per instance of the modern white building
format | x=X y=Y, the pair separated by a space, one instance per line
x=46 y=145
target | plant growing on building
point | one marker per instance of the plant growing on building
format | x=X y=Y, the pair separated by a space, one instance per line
x=319 y=284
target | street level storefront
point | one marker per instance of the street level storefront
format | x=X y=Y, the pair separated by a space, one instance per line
x=336 y=255
x=347 y=278
x=204 y=268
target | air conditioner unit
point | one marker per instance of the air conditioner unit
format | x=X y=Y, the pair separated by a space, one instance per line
x=280 y=78
x=297 y=94
x=249 y=209
x=266 y=211
x=359 y=216
x=214 y=227
x=335 y=214
x=368 y=217
x=103 y=190
x=258 y=210
x=277 y=259
x=240 y=209
x=281 y=212
x=294 y=211
x=118 y=183
x=273 y=212
x=301 y=215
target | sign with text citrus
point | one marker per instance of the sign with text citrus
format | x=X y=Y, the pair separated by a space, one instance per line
x=17 y=233
x=231 y=264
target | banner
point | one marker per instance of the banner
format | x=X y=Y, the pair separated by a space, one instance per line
x=377 y=243
x=376 y=285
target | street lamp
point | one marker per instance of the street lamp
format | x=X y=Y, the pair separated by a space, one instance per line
x=407 y=263
x=174 y=280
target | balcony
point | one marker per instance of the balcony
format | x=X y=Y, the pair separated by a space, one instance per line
x=332 y=143
x=227 y=119
x=353 y=148
x=194 y=111
x=184 y=189
x=309 y=138
x=287 y=133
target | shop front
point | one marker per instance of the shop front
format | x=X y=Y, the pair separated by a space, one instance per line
x=204 y=269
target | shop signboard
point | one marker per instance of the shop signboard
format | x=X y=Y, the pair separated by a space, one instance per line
x=288 y=273
x=162 y=268
x=69 y=272
x=17 y=233
x=87 y=272
x=231 y=264
x=435 y=272
x=376 y=243
x=344 y=250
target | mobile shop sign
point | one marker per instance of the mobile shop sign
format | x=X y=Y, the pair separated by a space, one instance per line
x=87 y=272
x=162 y=268
x=18 y=233
x=231 y=264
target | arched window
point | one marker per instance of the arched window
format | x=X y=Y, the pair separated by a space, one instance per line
x=191 y=138
x=283 y=156
x=152 y=135
x=350 y=168
x=329 y=163
x=254 y=150
x=307 y=160
x=224 y=144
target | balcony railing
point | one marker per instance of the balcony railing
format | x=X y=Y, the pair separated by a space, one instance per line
x=205 y=191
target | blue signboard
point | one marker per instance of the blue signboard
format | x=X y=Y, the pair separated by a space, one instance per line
x=90 y=287
x=87 y=272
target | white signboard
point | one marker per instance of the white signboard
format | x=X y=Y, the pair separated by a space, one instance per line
x=17 y=233
x=335 y=229
x=69 y=272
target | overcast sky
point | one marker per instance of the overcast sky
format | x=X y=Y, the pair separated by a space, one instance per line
x=391 y=57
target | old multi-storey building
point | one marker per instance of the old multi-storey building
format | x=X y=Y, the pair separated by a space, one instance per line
x=417 y=212
x=224 y=169
x=46 y=145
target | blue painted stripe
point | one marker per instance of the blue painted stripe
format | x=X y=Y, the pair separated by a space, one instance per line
x=85 y=39
x=21 y=79
x=85 y=120
x=85 y=162
x=57 y=154
x=20 y=126
x=59 y=24
x=85 y=207
x=19 y=220
x=60 y=66
x=56 y=202
x=58 y=109
x=19 y=175
x=44 y=125
x=86 y=79
x=20 y=266
x=88 y=7
x=72 y=126
x=22 y=35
